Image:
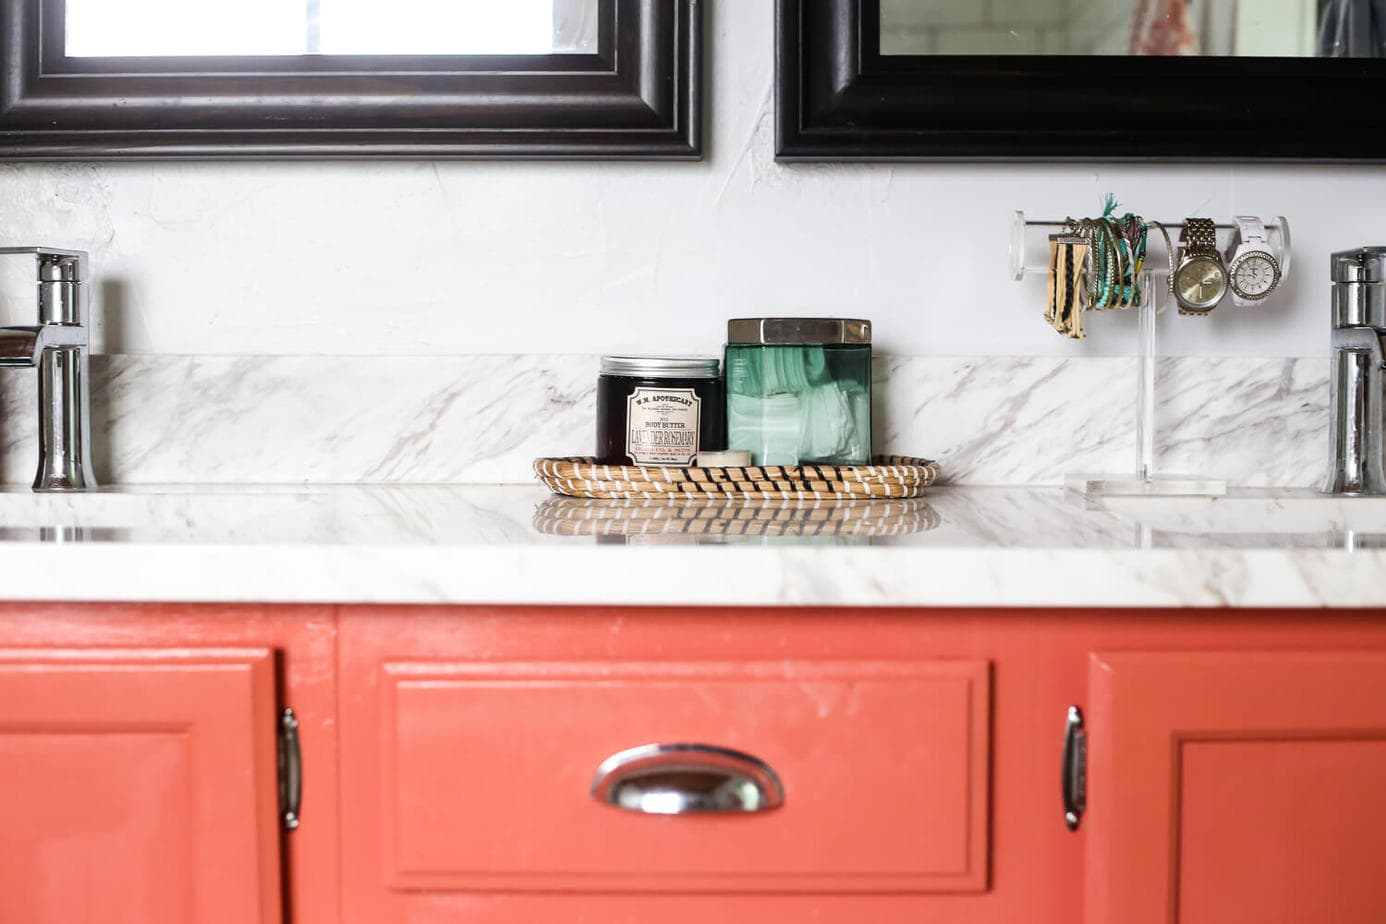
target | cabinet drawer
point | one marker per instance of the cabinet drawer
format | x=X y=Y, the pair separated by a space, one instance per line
x=486 y=770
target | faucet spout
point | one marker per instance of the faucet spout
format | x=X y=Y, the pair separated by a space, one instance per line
x=22 y=347
x=1357 y=408
x=1357 y=454
x=1362 y=340
x=18 y=347
x=57 y=347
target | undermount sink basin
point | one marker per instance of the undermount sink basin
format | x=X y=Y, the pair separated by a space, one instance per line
x=110 y=514
x=1338 y=520
x=357 y=514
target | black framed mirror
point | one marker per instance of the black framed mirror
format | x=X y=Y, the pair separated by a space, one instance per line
x=1196 y=80
x=90 y=79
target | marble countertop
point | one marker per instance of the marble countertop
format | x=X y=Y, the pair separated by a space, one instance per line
x=513 y=544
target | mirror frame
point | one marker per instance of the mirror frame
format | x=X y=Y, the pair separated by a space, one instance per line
x=638 y=96
x=839 y=98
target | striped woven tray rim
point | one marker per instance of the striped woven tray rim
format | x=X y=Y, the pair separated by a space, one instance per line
x=888 y=477
x=882 y=468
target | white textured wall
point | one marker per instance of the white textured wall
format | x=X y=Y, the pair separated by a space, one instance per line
x=446 y=258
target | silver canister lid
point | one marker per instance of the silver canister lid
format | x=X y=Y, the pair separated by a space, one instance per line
x=1365 y=264
x=663 y=367
x=798 y=331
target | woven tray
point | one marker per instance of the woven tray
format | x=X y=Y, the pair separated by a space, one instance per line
x=887 y=476
x=709 y=517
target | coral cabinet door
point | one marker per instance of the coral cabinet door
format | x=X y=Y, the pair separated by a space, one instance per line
x=138 y=785
x=1232 y=788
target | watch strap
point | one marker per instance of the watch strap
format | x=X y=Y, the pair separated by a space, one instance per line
x=1170 y=252
x=1252 y=230
x=1199 y=237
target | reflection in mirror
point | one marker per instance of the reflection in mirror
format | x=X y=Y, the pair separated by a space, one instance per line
x=1243 y=28
x=125 y=28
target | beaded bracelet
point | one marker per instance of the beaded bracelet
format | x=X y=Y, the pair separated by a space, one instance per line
x=1132 y=254
x=1107 y=264
x=1136 y=232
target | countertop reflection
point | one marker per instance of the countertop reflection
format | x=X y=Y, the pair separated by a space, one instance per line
x=719 y=521
x=463 y=515
x=515 y=544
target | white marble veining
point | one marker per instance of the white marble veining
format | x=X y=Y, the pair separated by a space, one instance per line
x=318 y=420
x=446 y=420
x=516 y=545
x=1253 y=422
x=1001 y=420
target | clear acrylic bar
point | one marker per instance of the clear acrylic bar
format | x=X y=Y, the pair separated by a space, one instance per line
x=1029 y=256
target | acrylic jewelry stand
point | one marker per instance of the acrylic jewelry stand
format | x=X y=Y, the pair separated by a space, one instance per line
x=1030 y=257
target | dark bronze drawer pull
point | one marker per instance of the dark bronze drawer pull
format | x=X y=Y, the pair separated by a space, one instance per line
x=1075 y=770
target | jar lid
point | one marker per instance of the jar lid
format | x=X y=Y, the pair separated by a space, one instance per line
x=1365 y=264
x=663 y=367
x=798 y=330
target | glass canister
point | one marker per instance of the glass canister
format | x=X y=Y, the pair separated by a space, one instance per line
x=799 y=390
x=658 y=410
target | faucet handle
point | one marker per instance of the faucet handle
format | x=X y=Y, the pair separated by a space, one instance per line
x=1364 y=264
x=62 y=297
x=61 y=267
x=1359 y=287
x=75 y=259
x=61 y=274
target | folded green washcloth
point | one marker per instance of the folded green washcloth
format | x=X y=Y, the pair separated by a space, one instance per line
x=787 y=409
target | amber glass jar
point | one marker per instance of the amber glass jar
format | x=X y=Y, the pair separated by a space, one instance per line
x=659 y=410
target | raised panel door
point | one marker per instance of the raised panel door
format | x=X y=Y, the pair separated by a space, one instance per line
x=303 y=639
x=138 y=785
x=1237 y=788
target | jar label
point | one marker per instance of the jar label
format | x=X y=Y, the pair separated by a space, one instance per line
x=662 y=426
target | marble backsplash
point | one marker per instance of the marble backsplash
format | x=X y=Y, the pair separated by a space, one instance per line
x=161 y=419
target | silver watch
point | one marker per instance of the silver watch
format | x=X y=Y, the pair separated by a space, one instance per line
x=1252 y=270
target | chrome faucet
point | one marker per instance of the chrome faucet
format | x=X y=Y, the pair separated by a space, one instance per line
x=1358 y=396
x=58 y=346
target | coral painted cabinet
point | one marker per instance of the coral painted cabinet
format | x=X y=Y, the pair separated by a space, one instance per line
x=467 y=774
x=138 y=785
x=1233 y=787
x=138 y=764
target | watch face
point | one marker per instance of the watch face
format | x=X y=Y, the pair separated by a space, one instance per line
x=1200 y=283
x=1255 y=275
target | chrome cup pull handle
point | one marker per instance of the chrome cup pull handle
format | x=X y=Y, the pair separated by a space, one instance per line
x=676 y=779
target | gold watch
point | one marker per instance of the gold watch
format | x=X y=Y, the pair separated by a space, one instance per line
x=1200 y=280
